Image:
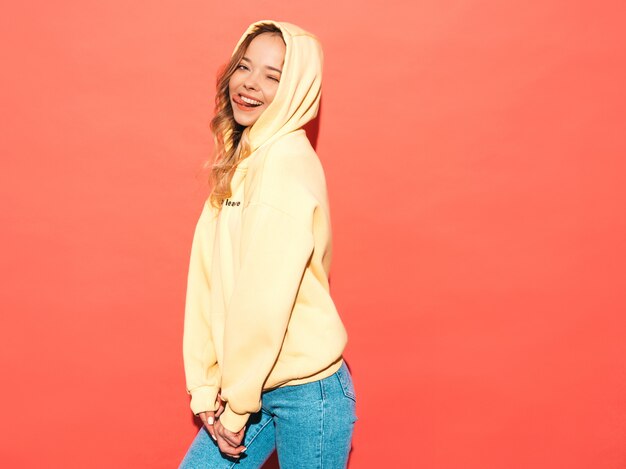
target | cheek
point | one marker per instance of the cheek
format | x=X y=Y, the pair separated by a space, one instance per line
x=271 y=96
x=233 y=83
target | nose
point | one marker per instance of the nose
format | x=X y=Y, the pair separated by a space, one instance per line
x=251 y=81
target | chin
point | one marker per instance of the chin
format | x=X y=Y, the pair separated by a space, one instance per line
x=247 y=121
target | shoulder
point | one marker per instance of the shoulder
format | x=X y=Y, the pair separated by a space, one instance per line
x=293 y=157
x=288 y=176
x=293 y=142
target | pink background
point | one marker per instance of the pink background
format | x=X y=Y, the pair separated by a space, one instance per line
x=475 y=157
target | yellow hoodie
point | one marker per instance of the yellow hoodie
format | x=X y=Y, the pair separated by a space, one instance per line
x=258 y=312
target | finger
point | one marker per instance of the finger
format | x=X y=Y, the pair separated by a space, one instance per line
x=208 y=419
x=226 y=436
x=228 y=449
x=232 y=439
x=220 y=407
x=219 y=410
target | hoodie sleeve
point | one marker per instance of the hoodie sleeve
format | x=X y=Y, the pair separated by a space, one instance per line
x=201 y=369
x=276 y=247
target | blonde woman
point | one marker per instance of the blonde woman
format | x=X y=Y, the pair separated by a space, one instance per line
x=263 y=341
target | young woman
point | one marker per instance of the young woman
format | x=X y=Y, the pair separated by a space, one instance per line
x=263 y=341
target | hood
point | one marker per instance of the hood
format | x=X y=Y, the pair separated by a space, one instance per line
x=298 y=95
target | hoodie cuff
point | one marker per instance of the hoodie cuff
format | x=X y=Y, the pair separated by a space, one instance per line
x=203 y=399
x=233 y=421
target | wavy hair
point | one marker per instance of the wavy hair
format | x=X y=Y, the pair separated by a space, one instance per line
x=231 y=144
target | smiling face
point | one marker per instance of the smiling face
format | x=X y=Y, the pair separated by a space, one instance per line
x=254 y=83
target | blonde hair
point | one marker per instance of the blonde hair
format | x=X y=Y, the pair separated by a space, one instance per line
x=231 y=144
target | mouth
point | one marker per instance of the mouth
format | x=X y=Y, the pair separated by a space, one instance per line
x=244 y=103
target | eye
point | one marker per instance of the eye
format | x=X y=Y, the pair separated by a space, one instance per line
x=242 y=65
x=273 y=78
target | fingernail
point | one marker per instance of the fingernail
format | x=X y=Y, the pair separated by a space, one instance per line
x=210 y=420
x=244 y=450
x=213 y=436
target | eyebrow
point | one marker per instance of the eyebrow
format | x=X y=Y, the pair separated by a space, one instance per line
x=267 y=66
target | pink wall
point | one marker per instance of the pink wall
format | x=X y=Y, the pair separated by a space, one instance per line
x=475 y=157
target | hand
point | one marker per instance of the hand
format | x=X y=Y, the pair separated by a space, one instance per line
x=228 y=442
x=221 y=407
x=208 y=417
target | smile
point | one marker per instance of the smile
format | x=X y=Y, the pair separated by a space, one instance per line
x=250 y=101
x=246 y=104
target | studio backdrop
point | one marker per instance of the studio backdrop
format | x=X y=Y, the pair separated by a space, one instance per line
x=475 y=160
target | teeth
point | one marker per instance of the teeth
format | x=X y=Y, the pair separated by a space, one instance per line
x=249 y=101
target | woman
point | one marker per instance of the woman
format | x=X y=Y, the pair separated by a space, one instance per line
x=262 y=340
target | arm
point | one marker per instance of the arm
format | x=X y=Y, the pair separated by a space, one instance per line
x=201 y=368
x=277 y=248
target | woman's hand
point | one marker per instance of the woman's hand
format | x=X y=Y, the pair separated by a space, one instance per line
x=228 y=442
x=208 y=417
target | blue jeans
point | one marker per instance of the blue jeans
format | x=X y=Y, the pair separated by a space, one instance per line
x=310 y=425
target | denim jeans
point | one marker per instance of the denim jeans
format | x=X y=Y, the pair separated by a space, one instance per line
x=310 y=425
